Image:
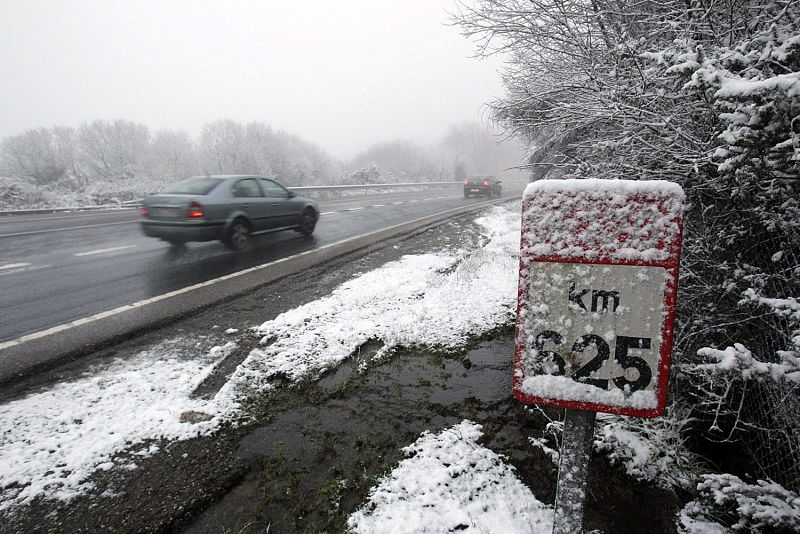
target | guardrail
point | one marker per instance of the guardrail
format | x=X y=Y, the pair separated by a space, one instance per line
x=128 y=204
x=329 y=191
x=312 y=191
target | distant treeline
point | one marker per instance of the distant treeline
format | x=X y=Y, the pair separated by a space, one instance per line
x=105 y=161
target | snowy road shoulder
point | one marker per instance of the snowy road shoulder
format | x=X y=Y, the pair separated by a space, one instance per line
x=52 y=441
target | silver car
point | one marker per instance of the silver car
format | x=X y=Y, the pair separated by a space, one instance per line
x=229 y=208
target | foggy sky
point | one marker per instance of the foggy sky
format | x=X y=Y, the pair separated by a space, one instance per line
x=342 y=74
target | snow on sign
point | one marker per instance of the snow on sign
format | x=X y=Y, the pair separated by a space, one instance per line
x=597 y=284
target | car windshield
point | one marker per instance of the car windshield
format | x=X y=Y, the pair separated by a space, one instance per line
x=193 y=186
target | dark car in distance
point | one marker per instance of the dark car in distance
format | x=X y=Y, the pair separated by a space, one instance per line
x=229 y=208
x=488 y=186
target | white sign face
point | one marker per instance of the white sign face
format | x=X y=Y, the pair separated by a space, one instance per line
x=594 y=332
x=598 y=283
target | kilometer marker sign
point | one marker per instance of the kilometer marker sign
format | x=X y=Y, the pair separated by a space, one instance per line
x=597 y=285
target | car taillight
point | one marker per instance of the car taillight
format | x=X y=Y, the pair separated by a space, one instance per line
x=486 y=183
x=195 y=210
x=466 y=182
x=144 y=212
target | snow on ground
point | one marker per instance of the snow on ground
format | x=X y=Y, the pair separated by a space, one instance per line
x=686 y=524
x=52 y=441
x=431 y=299
x=448 y=484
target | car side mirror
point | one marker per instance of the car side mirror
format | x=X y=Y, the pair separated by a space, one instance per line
x=292 y=194
x=499 y=182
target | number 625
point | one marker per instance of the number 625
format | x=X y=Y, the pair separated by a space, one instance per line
x=623 y=344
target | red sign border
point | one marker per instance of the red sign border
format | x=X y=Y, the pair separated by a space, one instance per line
x=671 y=264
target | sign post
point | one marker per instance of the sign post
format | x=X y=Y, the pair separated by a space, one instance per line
x=573 y=469
x=597 y=286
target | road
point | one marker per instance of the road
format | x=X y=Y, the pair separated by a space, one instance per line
x=57 y=268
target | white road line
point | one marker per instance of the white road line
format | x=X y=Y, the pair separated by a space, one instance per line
x=92 y=318
x=355 y=209
x=28 y=267
x=33 y=232
x=328 y=213
x=103 y=250
x=14 y=265
x=398 y=203
x=378 y=205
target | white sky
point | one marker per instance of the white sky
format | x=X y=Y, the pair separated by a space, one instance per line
x=342 y=74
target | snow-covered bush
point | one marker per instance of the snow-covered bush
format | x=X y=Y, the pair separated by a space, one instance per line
x=651 y=450
x=370 y=174
x=707 y=95
x=727 y=500
x=18 y=193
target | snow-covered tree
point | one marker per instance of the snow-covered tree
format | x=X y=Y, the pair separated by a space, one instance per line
x=173 y=156
x=222 y=146
x=112 y=150
x=706 y=94
x=43 y=155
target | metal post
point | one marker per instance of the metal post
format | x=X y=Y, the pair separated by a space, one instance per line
x=576 y=450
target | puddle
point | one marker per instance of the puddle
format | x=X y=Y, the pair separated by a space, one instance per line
x=335 y=379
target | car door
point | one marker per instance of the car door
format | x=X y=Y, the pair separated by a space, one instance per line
x=284 y=208
x=248 y=197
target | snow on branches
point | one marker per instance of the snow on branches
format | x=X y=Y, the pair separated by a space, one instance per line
x=651 y=450
x=740 y=361
x=745 y=506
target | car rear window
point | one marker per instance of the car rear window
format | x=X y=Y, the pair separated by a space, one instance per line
x=192 y=186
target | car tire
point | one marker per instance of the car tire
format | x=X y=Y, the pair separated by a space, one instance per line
x=308 y=221
x=466 y=195
x=238 y=236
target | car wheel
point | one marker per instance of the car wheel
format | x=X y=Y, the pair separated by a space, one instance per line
x=176 y=243
x=308 y=221
x=238 y=237
x=466 y=195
